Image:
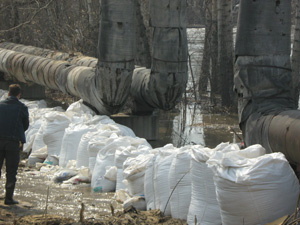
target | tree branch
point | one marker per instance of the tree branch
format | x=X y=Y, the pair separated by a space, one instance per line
x=28 y=21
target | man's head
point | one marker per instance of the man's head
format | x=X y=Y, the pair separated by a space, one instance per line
x=14 y=90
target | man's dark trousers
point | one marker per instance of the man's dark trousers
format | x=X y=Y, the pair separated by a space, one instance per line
x=9 y=150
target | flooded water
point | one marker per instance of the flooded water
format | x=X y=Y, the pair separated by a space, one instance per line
x=188 y=125
x=37 y=192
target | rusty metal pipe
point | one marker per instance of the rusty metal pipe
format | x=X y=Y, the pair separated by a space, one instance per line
x=284 y=133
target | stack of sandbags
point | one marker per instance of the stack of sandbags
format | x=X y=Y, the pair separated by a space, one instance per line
x=253 y=187
x=180 y=183
x=137 y=146
x=204 y=207
x=35 y=144
x=106 y=159
x=70 y=142
x=134 y=171
x=82 y=152
x=54 y=130
x=105 y=127
x=156 y=183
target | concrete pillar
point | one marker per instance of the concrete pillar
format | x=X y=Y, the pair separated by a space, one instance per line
x=143 y=126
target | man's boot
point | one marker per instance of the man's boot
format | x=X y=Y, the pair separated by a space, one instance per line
x=9 y=197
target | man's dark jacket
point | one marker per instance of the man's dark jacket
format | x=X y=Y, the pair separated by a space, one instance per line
x=14 y=119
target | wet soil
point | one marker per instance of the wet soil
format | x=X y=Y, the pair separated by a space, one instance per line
x=41 y=202
x=23 y=214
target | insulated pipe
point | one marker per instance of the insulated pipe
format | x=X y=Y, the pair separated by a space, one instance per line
x=116 y=54
x=263 y=78
x=163 y=85
x=72 y=58
x=57 y=75
x=284 y=133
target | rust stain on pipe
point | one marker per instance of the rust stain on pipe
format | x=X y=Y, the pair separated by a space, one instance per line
x=284 y=133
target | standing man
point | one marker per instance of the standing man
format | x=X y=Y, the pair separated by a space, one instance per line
x=14 y=121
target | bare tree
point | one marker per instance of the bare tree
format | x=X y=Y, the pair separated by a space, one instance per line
x=206 y=61
x=62 y=25
x=217 y=64
x=225 y=51
x=214 y=82
x=296 y=53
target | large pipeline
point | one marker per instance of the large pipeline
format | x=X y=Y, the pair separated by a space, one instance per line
x=72 y=58
x=263 y=78
x=106 y=83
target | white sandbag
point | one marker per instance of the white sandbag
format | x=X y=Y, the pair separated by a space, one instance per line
x=252 y=187
x=71 y=164
x=121 y=196
x=136 y=146
x=204 y=206
x=63 y=175
x=99 y=182
x=30 y=134
x=82 y=152
x=33 y=160
x=116 y=128
x=71 y=141
x=83 y=176
x=39 y=113
x=161 y=178
x=79 y=118
x=125 y=131
x=97 y=144
x=180 y=183
x=137 y=202
x=38 y=142
x=121 y=185
x=105 y=159
x=3 y=94
x=35 y=104
x=149 y=187
x=77 y=179
x=134 y=171
x=54 y=129
x=52 y=160
x=106 y=130
x=80 y=108
x=111 y=173
x=38 y=156
x=156 y=181
x=100 y=119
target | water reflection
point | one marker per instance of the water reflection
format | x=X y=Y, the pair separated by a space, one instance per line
x=187 y=124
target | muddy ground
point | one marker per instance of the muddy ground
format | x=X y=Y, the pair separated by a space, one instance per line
x=44 y=202
x=23 y=215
